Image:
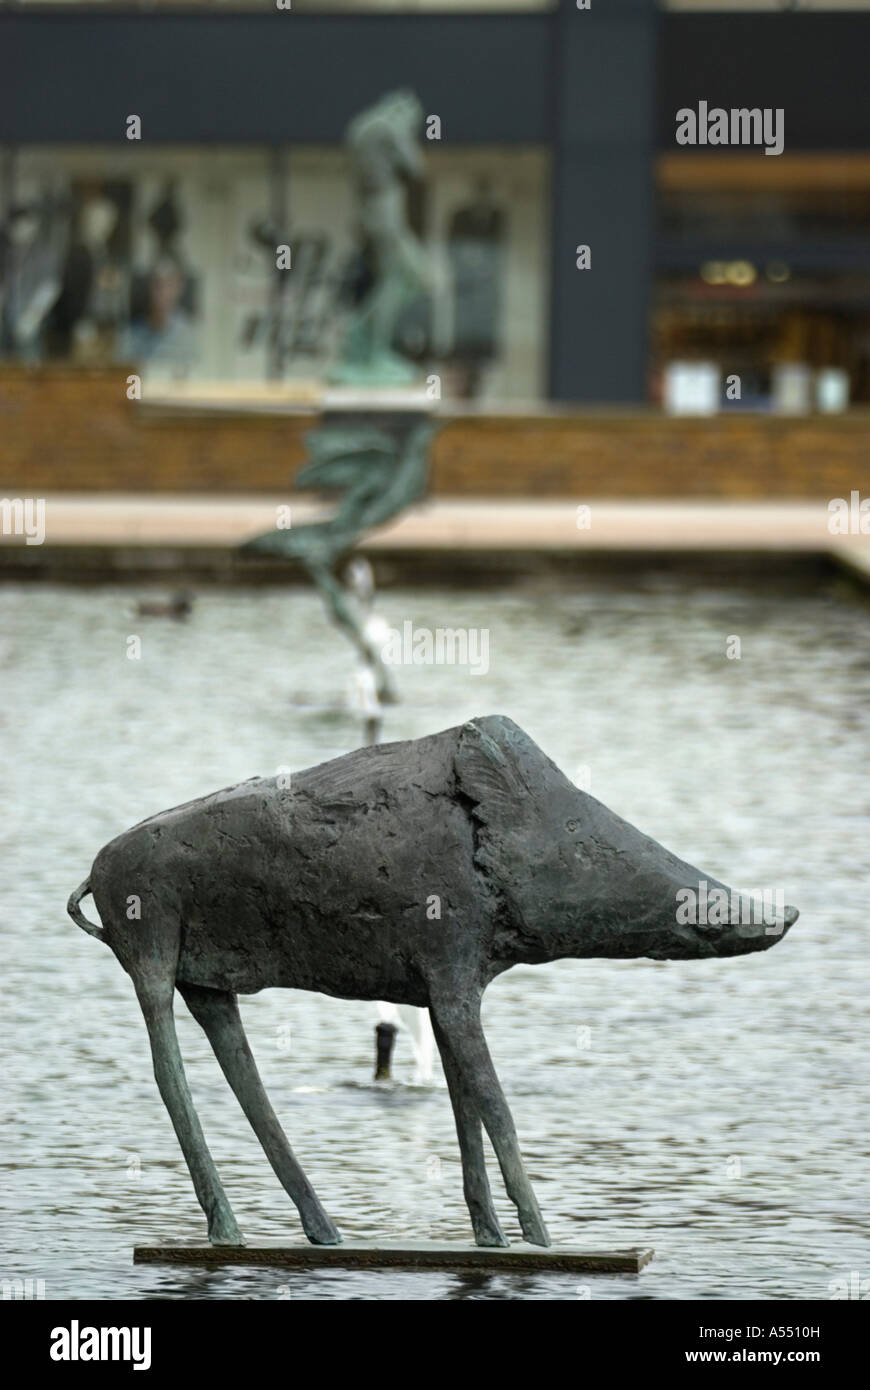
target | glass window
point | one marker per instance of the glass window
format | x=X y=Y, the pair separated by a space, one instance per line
x=170 y=260
x=764 y=271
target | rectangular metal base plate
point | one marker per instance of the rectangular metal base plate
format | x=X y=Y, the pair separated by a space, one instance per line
x=394 y=1254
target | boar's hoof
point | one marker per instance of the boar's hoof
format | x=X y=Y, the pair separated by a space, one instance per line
x=224 y=1231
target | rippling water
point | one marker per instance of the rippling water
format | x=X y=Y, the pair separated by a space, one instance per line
x=716 y=1110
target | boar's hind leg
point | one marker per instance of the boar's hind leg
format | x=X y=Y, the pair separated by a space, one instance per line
x=155 y=998
x=460 y=1023
x=478 y=1197
x=217 y=1013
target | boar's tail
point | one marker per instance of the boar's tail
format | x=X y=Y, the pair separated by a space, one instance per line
x=78 y=917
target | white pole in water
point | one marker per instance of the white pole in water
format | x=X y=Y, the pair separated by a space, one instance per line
x=363 y=697
x=363 y=692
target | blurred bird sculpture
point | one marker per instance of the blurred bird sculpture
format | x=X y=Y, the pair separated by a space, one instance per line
x=377 y=474
x=405 y=1018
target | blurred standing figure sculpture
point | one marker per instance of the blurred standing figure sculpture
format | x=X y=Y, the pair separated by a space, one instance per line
x=384 y=148
x=373 y=456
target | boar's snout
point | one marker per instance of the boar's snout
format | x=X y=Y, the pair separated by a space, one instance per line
x=735 y=924
x=743 y=936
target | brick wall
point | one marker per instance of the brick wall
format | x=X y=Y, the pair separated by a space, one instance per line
x=64 y=429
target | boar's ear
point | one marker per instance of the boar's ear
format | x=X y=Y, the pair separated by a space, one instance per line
x=487 y=772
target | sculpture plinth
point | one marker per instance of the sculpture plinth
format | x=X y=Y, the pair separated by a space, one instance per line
x=406 y=1254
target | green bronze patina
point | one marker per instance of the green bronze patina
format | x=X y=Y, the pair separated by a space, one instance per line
x=378 y=473
x=375 y=458
x=384 y=151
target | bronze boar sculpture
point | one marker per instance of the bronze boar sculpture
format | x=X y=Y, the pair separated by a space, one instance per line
x=329 y=884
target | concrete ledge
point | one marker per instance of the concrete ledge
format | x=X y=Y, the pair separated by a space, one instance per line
x=133 y=536
x=413 y=1255
x=136 y=520
x=855 y=559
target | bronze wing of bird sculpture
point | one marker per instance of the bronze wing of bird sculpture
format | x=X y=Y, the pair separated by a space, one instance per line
x=376 y=475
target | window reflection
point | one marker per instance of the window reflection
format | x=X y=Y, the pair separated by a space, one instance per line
x=171 y=264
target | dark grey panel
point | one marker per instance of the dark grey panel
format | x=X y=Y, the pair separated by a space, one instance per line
x=598 y=325
x=281 y=76
x=603 y=198
x=814 y=66
x=269 y=77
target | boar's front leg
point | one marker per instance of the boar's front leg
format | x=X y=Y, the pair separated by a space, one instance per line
x=485 y=1223
x=458 y=1019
